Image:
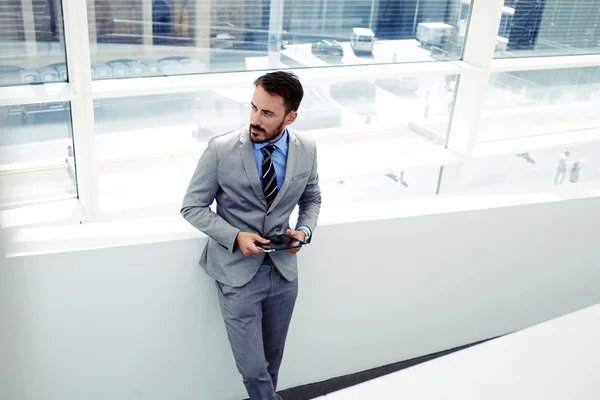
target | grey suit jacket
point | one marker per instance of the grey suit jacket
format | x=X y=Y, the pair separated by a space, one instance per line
x=227 y=173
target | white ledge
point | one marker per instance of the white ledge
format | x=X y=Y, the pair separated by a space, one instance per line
x=39 y=93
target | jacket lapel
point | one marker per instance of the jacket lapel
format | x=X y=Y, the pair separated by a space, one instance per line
x=247 y=154
x=289 y=168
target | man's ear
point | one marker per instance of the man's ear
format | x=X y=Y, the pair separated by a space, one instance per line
x=291 y=117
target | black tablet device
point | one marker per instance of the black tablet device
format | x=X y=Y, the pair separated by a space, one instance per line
x=281 y=242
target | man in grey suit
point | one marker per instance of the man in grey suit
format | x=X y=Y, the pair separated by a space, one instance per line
x=257 y=176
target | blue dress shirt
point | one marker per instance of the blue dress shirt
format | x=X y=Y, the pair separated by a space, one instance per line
x=279 y=159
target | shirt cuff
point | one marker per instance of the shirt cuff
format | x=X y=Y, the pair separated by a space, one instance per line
x=306 y=230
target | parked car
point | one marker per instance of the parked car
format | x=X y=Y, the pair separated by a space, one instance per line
x=49 y=74
x=119 y=70
x=9 y=75
x=181 y=65
x=29 y=75
x=127 y=68
x=434 y=33
x=192 y=66
x=101 y=71
x=152 y=68
x=62 y=71
x=135 y=68
x=449 y=49
x=54 y=73
x=327 y=47
x=362 y=40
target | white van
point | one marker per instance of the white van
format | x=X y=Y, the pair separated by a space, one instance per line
x=362 y=40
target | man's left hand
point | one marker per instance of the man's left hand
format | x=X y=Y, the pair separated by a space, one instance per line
x=298 y=235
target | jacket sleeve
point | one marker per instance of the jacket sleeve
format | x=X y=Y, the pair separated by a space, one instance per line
x=309 y=204
x=201 y=193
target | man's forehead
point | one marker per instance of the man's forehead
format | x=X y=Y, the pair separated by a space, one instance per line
x=265 y=99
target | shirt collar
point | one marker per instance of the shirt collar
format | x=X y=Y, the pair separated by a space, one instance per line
x=281 y=143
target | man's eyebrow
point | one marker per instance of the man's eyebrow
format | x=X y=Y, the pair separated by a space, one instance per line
x=269 y=111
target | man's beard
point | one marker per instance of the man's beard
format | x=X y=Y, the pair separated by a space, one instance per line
x=268 y=137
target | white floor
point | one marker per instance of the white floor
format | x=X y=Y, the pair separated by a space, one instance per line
x=559 y=359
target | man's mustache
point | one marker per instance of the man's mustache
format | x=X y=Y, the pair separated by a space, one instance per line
x=257 y=128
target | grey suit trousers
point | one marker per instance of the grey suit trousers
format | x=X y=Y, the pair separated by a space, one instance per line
x=257 y=317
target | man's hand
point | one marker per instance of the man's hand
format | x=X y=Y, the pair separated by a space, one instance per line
x=298 y=235
x=247 y=241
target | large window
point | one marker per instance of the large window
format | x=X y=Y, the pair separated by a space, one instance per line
x=532 y=103
x=37 y=160
x=549 y=27
x=394 y=90
x=365 y=129
x=136 y=38
x=32 y=46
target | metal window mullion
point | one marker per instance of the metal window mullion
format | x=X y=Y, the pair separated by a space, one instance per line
x=82 y=107
x=275 y=33
x=478 y=54
x=29 y=27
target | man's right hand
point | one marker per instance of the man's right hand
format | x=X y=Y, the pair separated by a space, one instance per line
x=247 y=241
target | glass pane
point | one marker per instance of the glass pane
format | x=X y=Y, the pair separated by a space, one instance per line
x=36 y=154
x=532 y=103
x=548 y=28
x=32 y=47
x=575 y=166
x=370 y=134
x=134 y=38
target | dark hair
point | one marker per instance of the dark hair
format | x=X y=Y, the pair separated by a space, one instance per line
x=284 y=84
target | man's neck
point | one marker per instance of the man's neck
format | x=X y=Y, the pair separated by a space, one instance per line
x=278 y=136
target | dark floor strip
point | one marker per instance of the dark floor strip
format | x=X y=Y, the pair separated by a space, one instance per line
x=313 y=390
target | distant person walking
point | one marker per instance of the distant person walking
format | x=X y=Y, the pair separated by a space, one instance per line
x=24 y=114
x=561 y=168
x=575 y=173
x=70 y=154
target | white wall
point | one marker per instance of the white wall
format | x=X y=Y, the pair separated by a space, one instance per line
x=8 y=336
x=142 y=321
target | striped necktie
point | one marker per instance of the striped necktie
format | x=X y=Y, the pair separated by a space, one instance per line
x=269 y=183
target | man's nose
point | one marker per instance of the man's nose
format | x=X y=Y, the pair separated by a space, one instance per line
x=255 y=118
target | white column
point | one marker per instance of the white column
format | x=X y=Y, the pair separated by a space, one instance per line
x=470 y=94
x=275 y=32
x=29 y=27
x=478 y=53
x=147 y=22
x=82 y=108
